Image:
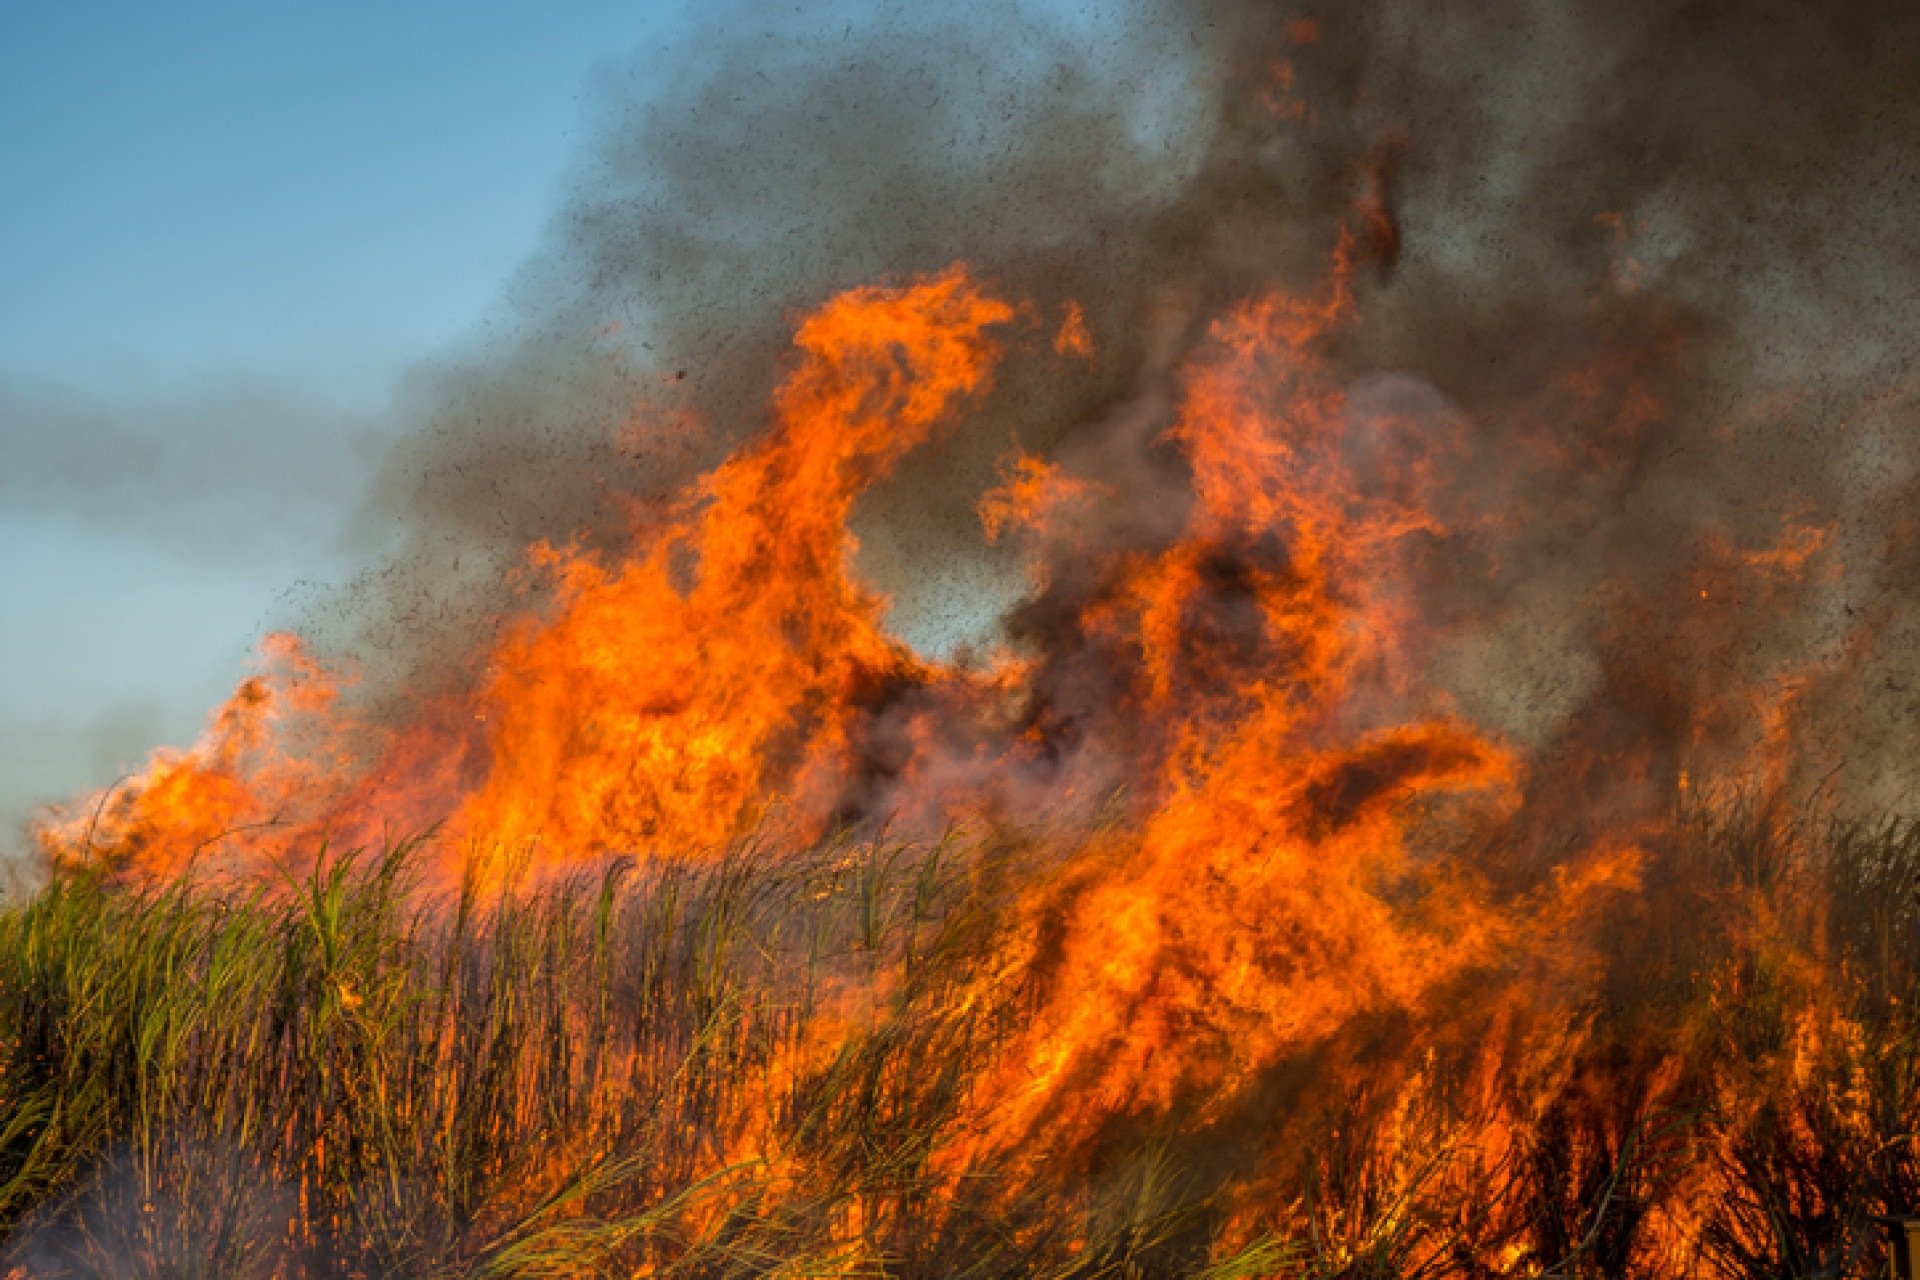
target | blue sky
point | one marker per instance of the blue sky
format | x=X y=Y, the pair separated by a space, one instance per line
x=273 y=208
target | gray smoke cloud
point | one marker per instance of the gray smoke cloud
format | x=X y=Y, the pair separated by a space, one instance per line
x=1655 y=255
x=759 y=168
x=235 y=472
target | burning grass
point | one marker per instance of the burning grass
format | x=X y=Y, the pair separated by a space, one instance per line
x=1329 y=886
x=799 y=1063
x=1260 y=957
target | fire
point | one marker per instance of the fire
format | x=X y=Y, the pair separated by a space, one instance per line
x=231 y=791
x=1274 y=890
x=667 y=700
x=660 y=704
x=1260 y=832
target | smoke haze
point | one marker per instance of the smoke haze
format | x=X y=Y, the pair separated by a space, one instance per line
x=1655 y=255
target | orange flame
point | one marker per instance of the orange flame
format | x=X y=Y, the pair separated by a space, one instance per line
x=1296 y=786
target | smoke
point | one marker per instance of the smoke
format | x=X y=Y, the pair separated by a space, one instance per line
x=193 y=1204
x=764 y=165
x=237 y=472
x=1702 y=211
x=1654 y=255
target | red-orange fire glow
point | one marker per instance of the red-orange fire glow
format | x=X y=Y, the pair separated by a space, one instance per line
x=1295 y=840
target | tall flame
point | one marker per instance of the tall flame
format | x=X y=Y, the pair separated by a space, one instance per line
x=1281 y=835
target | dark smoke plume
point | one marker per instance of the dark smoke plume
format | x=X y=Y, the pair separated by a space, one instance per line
x=1657 y=256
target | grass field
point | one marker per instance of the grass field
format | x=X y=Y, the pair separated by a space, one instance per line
x=774 y=1064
